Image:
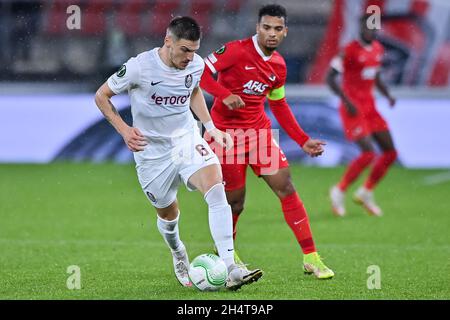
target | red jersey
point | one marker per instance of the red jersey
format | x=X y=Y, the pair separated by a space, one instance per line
x=360 y=67
x=244 y=70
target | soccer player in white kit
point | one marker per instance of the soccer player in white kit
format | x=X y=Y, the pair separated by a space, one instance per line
x=163 y=85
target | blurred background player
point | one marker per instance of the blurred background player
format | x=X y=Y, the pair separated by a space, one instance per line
x=163 y=85
x=359 y=63
x=248 y=71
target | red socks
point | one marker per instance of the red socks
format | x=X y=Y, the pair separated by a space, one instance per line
x=297 y=219
x=355 y=168
x=380 y=168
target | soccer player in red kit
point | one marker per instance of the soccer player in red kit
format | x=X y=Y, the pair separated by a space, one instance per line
x=248 y=71
x=359 y=63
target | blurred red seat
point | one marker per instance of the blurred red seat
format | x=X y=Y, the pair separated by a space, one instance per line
x=201 y=11
x=160 y=15
x=94 y=14
x=202 y=6
x=129 y=16
x=441 y=70
x=233 y=5
x=56 y=17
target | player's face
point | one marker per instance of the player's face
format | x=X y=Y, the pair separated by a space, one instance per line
x=181 y=52
x=366 y=34
x=271 y=32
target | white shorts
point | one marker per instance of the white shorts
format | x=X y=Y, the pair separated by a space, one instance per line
x=161 y=178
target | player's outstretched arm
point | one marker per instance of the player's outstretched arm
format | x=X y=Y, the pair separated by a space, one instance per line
x=198 y=106
x=286 y=119
x=382 y=87
x=133 y=138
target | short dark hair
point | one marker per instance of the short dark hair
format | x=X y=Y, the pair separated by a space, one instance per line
x=273 y=10
x=185 y=28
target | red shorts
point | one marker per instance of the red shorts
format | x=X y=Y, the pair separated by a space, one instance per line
x=259 y=150
x=367 y=121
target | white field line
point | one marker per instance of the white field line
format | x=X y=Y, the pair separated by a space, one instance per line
x=437 y=178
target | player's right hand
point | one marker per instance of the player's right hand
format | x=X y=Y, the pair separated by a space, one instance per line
x=233 y=101
x=134 y=139
x=350 y=107
x=392 y=101
x=314 y=147
x=222 y=138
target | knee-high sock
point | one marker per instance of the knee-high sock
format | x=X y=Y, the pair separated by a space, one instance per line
x=169 y=231
x=380 y=168
x=221 y=222
x=355 y=168
x=297 y=218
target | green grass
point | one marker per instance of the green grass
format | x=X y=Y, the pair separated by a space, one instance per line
x=96 y=217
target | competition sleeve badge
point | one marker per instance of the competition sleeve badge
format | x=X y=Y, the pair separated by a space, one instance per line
x=121 y=72
x=221 y=50
x=188 y=81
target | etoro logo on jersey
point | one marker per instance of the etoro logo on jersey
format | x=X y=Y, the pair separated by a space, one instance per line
x=172 y=100
x=255 y=88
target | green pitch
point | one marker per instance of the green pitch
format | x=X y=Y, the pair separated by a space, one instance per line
x=97 y=218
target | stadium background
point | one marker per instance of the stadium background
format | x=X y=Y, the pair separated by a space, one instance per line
x=39 y=84
x=49 y=74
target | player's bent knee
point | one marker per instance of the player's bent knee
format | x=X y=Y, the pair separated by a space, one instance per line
x=207 y=178
x=216 y=196
x=285 y=191
x=367 y=157
x=390 y=156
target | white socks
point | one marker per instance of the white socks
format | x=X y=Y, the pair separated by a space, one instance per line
x=221 y=222
x=169 y=231
x=220 y=225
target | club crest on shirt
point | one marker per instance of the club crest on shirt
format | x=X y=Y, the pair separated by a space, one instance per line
x=188 y=81
x=121 y=72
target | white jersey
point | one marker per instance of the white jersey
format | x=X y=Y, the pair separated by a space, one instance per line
x=160 y=100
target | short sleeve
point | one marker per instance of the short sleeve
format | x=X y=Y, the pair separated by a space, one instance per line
x=224 y=57
x=125 y=77
x=337 y=63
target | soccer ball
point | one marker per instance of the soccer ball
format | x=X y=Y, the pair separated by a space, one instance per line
x=208 y=272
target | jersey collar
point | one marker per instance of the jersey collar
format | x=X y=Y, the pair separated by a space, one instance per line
x=258 y=49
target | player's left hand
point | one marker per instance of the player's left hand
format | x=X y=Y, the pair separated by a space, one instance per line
x=392 y=101
x=222 y=138
x=314 y=147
